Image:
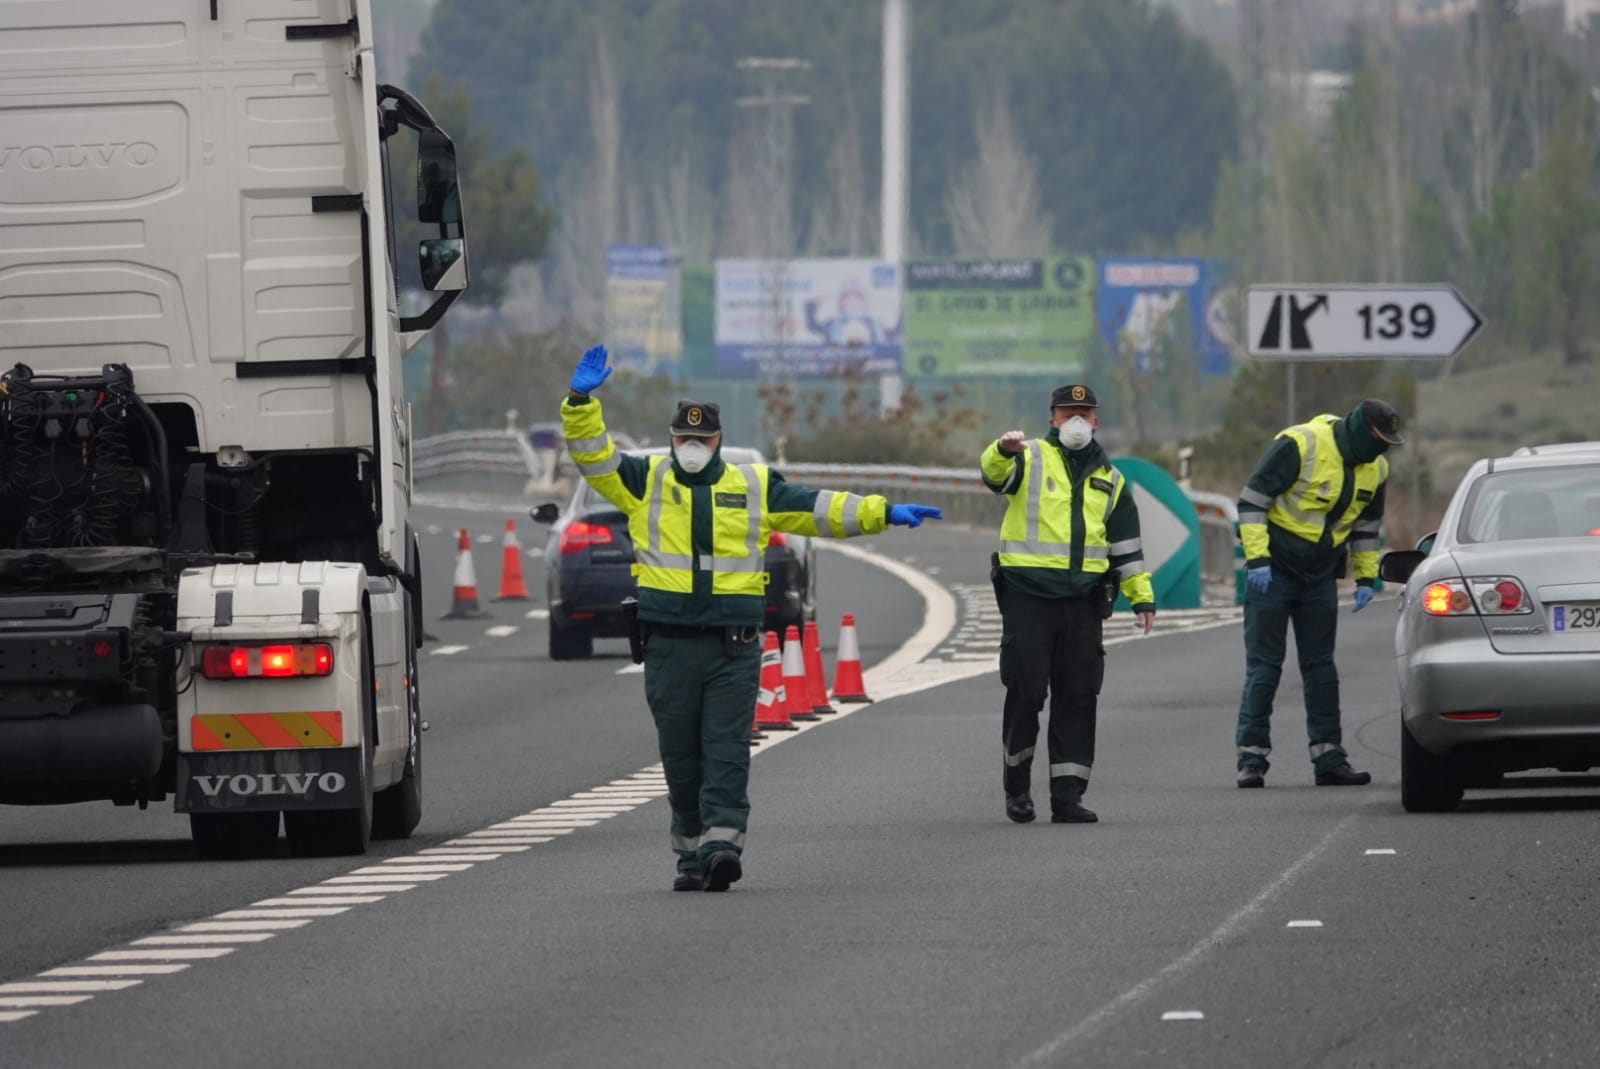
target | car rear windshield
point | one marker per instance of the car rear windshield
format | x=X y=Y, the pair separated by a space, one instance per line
x=1543 y=502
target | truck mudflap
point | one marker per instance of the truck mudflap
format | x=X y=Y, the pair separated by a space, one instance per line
x=243 y=781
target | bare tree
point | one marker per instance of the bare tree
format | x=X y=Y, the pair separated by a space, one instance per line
x=681 y=210
x=993 y=203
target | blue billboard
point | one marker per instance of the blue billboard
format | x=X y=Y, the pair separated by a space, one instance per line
x=1141 y=305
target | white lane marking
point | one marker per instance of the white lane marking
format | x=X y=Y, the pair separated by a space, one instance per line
x=501 y=631
x=116 y=970
x=330 y=900
x=480 y=837
x=535 y=552
x=630 y=670
x=505 y=843
x=1303 y=924
x=19 y=1001
x=275 y=914
x=162 y=954
x=641 y=796
x=1049 y=1053
x=484 y=540
x=1380 y=850
x=209 y=940
x=488 y=853
x=445 y=651
x=62 y=987
x=577 y=820
x=538 y=614
x=1183 y=1015
x=16 y=1015
x=408 y=870
x=244 y=926
x=368 y=881
x=365 y=887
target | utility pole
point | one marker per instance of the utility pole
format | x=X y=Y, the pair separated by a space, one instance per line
x=896 y=158
x=775 y=134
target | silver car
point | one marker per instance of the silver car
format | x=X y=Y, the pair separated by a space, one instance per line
x=1498 y=645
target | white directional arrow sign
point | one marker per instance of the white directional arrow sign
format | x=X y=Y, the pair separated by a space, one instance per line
x=1358 y=322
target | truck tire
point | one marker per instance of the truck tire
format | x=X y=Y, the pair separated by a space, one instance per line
x=236 y=836
x=397 y=810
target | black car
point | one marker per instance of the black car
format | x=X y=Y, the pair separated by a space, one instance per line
x=590 y=554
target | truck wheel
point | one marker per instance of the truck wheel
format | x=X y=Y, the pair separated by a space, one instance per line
x=397 y=810
x=1428 y=784
x=219 y=836
x=570 y=643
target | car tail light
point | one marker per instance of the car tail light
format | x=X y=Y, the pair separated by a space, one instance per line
x=267 y=662
x=1491 y=595
x=1446 y=598
x=576 y=536
x=1499 y=595
x=777 y=538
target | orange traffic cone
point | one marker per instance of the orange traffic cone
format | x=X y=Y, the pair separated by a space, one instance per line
x=772 y=705
x=816 y=684
x=464 y=600
x=512 y=588
x=794 y=676
x=848 y=686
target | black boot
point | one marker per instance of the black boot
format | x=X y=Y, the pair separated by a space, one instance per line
x=1068 y=808
x=1019 y=807
x=1343 y=776
x=723 y=870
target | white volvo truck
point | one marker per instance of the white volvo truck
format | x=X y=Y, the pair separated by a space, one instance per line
x=208 y=586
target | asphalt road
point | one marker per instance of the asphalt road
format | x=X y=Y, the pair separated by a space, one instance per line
x=890 y=915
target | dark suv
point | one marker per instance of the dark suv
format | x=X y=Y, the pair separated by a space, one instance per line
x=590 y=554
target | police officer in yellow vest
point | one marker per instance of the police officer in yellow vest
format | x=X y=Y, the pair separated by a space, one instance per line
x=699 y=528
x=1318 y=488
x=1069 y=541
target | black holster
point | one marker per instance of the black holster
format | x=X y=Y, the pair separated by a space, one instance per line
x=636 y=630
x=735 y=640
x=1108 y=593
x=997 y=580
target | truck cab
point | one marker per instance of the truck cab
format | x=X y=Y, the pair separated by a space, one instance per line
x=209 y=589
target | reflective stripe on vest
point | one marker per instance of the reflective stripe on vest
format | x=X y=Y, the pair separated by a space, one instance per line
x=649 y=554
x=1032 y=544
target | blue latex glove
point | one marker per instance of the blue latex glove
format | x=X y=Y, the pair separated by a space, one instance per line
x=592 y=370
x=913 y=515
x=1363 y=598
x=1259 y=578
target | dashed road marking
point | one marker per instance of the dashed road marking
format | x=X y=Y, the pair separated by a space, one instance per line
x=446 y=651
x=1304 y=924
x=1183 y=1015
x=538 y=614
x=213 y=937
x=59 y=987
x=501 y=631
x=1376 y=851
x=117 y=970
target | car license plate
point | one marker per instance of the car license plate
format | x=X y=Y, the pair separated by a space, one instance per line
x=1583 y=617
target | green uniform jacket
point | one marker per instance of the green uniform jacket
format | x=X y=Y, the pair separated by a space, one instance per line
x=623 y=480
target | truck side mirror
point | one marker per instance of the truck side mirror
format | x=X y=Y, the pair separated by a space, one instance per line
x=545 y=513
x=438 y=193
x=444 y=263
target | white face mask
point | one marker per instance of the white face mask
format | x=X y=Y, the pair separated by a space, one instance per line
x=692 y=456
x=1076 y=432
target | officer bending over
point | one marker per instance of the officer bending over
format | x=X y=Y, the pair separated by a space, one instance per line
x=700 y=528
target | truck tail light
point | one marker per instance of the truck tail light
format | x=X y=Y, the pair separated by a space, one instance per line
x=267 y=662
x=575 y=536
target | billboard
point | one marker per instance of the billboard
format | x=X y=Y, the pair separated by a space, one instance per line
x=807 y=317
x=999 y=316
x=643 y=328
x=1143 y=303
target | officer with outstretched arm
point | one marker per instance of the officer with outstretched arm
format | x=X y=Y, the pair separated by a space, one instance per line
x=700 y=528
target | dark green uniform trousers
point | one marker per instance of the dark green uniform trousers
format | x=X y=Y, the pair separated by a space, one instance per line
x=1050 y=645
x=1313 y=608
x=703 y=702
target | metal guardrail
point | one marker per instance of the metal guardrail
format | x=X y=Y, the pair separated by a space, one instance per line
x=509 y=459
